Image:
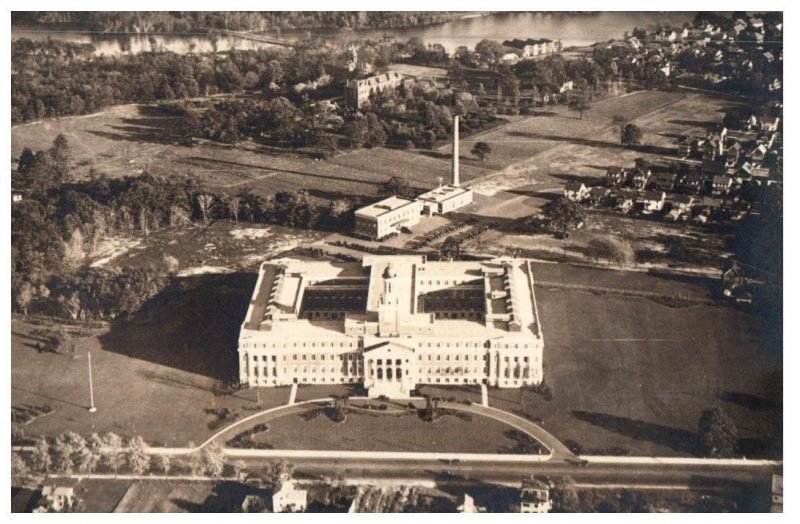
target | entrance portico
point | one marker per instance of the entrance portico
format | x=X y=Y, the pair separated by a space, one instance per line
x=387 y=368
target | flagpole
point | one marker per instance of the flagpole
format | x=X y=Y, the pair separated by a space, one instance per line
x=92 y=407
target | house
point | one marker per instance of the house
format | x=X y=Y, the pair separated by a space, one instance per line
x=254 y=504
x=575 y=191
x=775 y=84
x=771 y=126
x=721 y=185
x=681 y=207
x=640 y=177
x=530 y=48
x=693 y=183
x=663 y=181
x=625 y=201
x=732 y=154
x=16 y=196
x=566 y=86
x=665 y=36
x=289 y=499
x=712 y=149
x=616 y=176
x=757 y=23
x=534 y=497
x=758 y=153
x=598 y=195
x=739 y=25
x=633 y=42
x=56 y=499
x=769 y=57
x=469 y=506
x=653 y=200
x=733 y=278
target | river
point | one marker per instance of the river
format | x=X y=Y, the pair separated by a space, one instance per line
x=573 y=29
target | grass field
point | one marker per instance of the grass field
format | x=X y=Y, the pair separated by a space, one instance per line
x=131 y=139
x=390 y=432
x=633 y=374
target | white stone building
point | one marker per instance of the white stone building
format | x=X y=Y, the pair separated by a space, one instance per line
x=387 y=216
x=392 y=323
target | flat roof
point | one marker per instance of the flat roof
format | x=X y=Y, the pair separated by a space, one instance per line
x=282 y=283
x=440 y=194
x=384 y=206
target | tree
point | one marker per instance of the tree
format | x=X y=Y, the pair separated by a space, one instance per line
x=113 y=447
x=620 y=121
x=450 y=250
x=68 y=447
x=137 y=457
x=195 y=464
x=239 y=468
x=610 y=248
x=357 y=132
x=566 y=495
x=93 y=453
x=718 y=433
x=23 y=296
x=579 y=103
x=563 y=214
x=396 y=186
x=213 y=459
x=489 y=50
x=631 y=135
x=19 y=469
x=481 y=150
x=163 y=463
x=205 y=201
x=41 y=455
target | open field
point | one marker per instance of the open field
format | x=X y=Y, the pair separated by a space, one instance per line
x=221 y=246
x=634 y=374
x=390 y=432
x=132 y=139
x=182 y=497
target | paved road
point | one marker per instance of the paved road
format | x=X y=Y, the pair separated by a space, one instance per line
x=644 y=475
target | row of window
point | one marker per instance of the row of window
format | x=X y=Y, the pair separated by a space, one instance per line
x=355 y=344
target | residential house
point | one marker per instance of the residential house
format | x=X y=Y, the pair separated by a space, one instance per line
x=739 y=25
x=640 y=178
x=625 y=200
x=534 y=497
x=733 y=278
x=469 y=506
x=757 y=154
x=56 y=499
x=721 y=185
x=663 y=181
x=771 y=126
x=289 y=499
x=681 y=207
x=598 y=195
x=665 y=36
x=769 y=57
x=751 y=37
x=693 y=183
x=634 y=42
x=653 y=200
x=757 y=23
x=530 y=48
x=732 y=154
x=616 y=176
x=575 y=191
x=566 y=86
x=775 y=84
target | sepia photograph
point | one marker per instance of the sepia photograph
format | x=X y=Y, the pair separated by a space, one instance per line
x=396 y=261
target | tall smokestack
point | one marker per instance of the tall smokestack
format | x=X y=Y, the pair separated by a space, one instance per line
x=455 y=151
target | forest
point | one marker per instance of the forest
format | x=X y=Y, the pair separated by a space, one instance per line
x=206 y=21
x=60 y=221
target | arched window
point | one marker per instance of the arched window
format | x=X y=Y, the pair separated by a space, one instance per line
x=399 y=374
x=380 y=373
x=388 y=373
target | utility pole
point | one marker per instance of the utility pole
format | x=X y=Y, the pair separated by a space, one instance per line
x=92 y=407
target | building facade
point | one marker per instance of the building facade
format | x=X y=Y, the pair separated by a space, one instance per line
x=357 y=92
x=388 y=216
x=392 y=323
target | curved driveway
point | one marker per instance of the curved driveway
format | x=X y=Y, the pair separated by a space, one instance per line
x=556 y=449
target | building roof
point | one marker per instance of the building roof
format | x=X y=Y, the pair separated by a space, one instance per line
x=443 y=193
x=653 y=196
x=384 y=206
x=574 y=186
x=277 y=307
x=614 y=170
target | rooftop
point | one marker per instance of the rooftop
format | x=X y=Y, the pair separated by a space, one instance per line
x=442 y=193
x=502 y=292
x=384 y=206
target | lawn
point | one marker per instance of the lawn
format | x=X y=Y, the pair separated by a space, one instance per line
x=630 y=373
x=132 y=139
x=159 y=496
x=390 y=432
